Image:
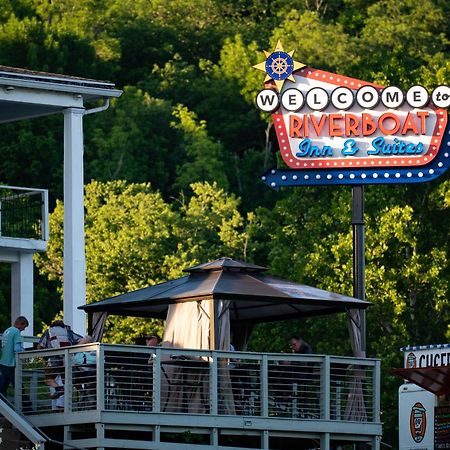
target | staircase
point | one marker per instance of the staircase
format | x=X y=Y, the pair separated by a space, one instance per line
x=16 y=433
x=11 y=438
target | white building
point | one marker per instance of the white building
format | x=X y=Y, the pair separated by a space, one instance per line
x=26 y=94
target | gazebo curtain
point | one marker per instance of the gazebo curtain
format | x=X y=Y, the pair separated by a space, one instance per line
x=188 y=326
x=355 y=407
x=97 y=325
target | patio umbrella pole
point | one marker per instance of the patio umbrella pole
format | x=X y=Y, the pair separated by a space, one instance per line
x=359 y=256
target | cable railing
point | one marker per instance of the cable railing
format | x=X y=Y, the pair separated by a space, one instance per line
x=166 y=380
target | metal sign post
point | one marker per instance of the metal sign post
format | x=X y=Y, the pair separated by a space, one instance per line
x=359 y=262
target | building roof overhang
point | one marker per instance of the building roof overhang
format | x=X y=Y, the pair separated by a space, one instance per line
x=26 y=94
x=432 y=379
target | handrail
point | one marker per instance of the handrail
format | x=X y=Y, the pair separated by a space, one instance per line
x=19 y=422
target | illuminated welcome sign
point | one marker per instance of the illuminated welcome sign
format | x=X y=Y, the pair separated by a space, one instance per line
x=333 y=129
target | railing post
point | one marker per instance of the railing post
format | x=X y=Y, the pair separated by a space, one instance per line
x=214 y=385
x=18 y=391
x=44 y=210
x=264 y=386
x=100 y=394
x=325 y=389
x=156 y=400
x=68 y=385
x=376 y=392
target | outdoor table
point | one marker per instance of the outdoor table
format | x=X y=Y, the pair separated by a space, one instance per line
x=187 y=385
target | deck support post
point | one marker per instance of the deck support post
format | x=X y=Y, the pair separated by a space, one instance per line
x=214 y=385
x=325 y=441
x=265 y=440
x=67 y=436
x=22 y=289
x=157 y=434
x=214 y=437
x=376 y=443
x=100 y=430
x=264 y=387
x=156 y=400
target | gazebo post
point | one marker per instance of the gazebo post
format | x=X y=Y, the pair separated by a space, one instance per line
x=213 y=326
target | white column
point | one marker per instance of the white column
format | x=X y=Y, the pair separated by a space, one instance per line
x=22 y=289
x=74 y=252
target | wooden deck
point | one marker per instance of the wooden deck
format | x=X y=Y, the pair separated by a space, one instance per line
x=157 y=398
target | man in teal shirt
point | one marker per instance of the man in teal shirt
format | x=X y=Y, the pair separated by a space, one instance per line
x=12 y=343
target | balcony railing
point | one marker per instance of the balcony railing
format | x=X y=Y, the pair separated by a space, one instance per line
x=23 y=213
x=166 y=381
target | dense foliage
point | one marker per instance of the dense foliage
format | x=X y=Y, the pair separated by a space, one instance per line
x=172 y=167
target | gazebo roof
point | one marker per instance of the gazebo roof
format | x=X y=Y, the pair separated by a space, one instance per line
x=254 y=297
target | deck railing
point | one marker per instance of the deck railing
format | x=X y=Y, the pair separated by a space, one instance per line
x=23 y=213
x=166 y=380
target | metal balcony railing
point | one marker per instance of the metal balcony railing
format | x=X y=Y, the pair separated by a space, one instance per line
x=23 y=213
x=165 y=381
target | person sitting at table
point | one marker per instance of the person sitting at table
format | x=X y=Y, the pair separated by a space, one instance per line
x=289 y=376
x=239 y=383
x=146 y=379
x=86 y=360
x=300 y=346
x=152 y=340
x=301 y=373
x=84 y=373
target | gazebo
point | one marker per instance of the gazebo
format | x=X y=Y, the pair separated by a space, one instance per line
x=196 y=386
x=221 y=297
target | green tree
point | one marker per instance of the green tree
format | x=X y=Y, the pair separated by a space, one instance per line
x=205 y=157
x=133 y=140
x=210 y=227
x=401 y=38
x=135 y=239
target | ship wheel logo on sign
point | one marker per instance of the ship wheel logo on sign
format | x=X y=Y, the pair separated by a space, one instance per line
x=279 y=66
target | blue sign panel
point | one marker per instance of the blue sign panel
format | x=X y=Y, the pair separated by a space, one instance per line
x=276 y=178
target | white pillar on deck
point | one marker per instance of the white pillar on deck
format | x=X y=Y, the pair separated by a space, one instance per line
x=74 y=253
x=22 y=289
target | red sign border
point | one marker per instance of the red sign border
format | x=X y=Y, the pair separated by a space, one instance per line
x=338 y=163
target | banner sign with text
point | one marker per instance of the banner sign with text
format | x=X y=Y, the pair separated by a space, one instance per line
x=332 y=129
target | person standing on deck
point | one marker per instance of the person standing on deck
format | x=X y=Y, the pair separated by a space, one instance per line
x=12 y=342
x=57 y=336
